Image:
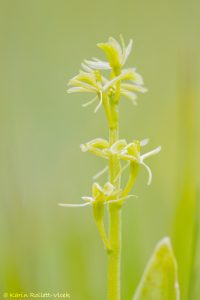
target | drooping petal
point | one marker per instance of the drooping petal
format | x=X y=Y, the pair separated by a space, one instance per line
x=132 y=75
x=130 y=95
x=138 y=79
x=133 y=88
x=90 y=102
x=149 y=173
x=100 y=103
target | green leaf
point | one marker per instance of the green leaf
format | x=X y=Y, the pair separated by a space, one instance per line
x=159 y=281
x=186 y=219
x=184 y=236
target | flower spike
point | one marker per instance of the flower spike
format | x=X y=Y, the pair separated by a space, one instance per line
x=108 y=81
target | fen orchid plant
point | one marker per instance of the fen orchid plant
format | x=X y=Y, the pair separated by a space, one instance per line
x=109 y=81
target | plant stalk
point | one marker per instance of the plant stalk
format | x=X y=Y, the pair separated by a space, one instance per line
x=114 y=256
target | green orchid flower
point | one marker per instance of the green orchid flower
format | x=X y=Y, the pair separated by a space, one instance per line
x=90 y=79
x=124 y=151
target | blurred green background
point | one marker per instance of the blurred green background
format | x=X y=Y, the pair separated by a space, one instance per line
x=46 y=248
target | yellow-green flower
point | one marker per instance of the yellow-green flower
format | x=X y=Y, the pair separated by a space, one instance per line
x=124 y=82
x=128 y=152
x=99 y=195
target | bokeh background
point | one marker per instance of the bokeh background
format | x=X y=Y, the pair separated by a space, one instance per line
x=46 y=248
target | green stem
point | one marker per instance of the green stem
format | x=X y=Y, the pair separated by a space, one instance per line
x=114 y=256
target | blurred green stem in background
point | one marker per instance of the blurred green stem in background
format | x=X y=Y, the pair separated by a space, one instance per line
x=185 y=223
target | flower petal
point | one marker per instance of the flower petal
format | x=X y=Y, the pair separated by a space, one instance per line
x=96 y=143
x=132 y=75
x=118 y=146
x=150 y=153
x=123 y=198
x=74 y=205
x=96 y=190
x=127 y=51
x=130 y=95
x=144 y=142
x=117 y=46
x=112 y=54
x=100 y=103
x=98 y=64
x=78 y=89
x=149 y=173
x=86 y=68
x=88 y=199
x=90 y=102
x=86 y=77
x=133 y=88
x=108 y=189
x=77 y=83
